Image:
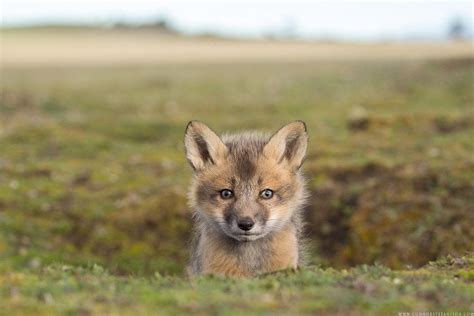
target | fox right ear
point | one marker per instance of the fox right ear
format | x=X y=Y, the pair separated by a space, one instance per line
x=288 y=145
x=203 y=146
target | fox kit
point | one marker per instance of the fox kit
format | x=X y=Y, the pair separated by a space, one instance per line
x=247 y=195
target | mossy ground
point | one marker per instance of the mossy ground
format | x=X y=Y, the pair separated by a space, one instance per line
x=445 y=285
x=92 y=171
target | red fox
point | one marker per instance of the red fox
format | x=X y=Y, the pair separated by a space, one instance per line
x=247 y=195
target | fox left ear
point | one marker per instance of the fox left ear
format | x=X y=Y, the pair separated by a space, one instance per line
x=203 y=146
x=288 y=145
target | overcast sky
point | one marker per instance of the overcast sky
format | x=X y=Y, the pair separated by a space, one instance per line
x=368 y=20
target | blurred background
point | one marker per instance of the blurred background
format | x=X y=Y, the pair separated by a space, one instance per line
x=95 y=96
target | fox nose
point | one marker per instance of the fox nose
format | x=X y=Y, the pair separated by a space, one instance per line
x=245 y=223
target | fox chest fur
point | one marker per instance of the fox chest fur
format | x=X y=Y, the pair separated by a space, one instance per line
x=247 y=195
x=216 y=255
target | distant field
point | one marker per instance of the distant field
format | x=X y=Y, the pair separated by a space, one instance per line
x=98 y=47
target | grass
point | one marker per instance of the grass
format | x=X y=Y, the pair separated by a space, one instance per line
x=92 y=174
x=442 y=286
x=92 y=159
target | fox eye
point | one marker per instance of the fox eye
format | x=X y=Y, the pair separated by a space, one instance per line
x=266 y=194
x=226 y=194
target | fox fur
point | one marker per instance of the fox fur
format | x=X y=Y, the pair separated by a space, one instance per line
x=246 y=179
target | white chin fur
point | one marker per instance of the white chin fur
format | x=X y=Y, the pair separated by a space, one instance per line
x=246 y=238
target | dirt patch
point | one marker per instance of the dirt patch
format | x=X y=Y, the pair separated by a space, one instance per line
x=361 y=120
x=155 y=227
x=452 y=124
x=399 y=215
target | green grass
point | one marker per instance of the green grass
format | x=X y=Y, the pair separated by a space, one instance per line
x=445 y=285
x=92 y=172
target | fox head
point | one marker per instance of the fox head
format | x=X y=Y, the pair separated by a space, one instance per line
x=246 y=185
